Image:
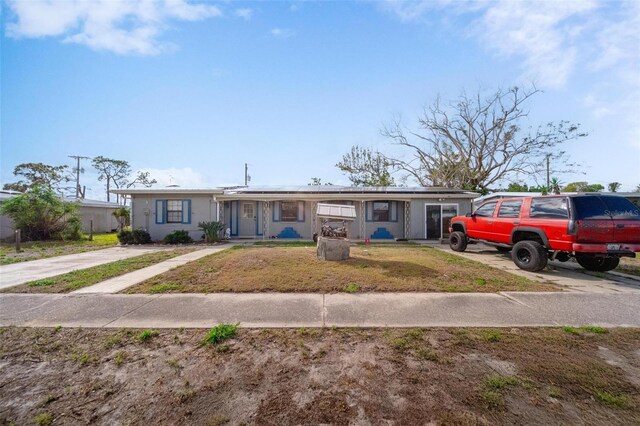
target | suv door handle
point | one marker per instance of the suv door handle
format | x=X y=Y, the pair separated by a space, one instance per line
x=620 y=225
x=489 y=221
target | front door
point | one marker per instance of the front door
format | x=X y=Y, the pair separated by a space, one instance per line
x=247 y=219
x=437 y=220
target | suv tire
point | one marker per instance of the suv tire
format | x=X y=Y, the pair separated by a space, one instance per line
x=598 y=264
x=458 y=241
x=529 y=256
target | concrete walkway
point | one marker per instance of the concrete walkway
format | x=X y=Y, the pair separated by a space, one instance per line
x=509 y=309
x=116 y=284
x=22 y=272
x=567 y=275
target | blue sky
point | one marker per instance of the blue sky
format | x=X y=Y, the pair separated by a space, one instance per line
x=191 y=90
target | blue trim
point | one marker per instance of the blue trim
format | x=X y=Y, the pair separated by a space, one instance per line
x=368 y=208
x=382 y=234
x=258 y=218
x=276 y=205
x=288 y=232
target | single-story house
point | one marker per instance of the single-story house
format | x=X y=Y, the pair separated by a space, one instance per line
x=101 y=212
x=290 y=211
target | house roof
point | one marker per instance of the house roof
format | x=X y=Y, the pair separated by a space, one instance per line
x=308 y=190
x=5 y=195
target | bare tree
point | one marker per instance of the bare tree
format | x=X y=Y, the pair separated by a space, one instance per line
x=365 y=167
x=113 y=172
x=475 y=142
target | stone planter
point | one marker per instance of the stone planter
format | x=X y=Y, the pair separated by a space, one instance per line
x=333 y=248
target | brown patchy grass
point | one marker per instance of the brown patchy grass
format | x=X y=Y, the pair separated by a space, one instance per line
x=629 y=266
x=331 y=376
x=80 y=278
x=372 y=268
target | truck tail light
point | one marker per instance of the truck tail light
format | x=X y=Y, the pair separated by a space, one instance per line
x=572 y=229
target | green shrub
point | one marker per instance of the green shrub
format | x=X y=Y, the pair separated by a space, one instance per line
x=221 y=332
x=212 y=230
x=137 y=236
x=147 y=334
x=178 y=237
x=41 y=214
x=351 y=288
x=140 y=236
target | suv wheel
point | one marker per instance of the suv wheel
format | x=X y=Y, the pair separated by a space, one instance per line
x=598 y=264
x=529 y=255
x=458 y=241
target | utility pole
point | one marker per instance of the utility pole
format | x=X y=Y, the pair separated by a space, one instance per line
x=78 y=170
x=247 y=178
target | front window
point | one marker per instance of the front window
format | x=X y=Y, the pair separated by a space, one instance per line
x=486 y=210
x=174 y=211
x=247 y=211
x=381 y=211
x=289 y=211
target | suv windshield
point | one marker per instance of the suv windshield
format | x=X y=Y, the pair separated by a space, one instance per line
x=605 y=207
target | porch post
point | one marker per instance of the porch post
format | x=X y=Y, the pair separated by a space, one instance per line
x=363 y=226
x=407 y=219
x=265 y=219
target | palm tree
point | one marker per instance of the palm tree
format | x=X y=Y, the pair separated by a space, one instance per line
x=122 y=214
x=555 y=185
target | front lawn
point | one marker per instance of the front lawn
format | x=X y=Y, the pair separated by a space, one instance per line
x=80 y=278
x=370 y=268
x=629 y=266
x=515 y=376
x=33 y=250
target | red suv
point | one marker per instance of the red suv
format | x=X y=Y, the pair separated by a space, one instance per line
x=595 y=229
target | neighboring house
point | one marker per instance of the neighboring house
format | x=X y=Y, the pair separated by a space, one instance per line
x=289 y=212
x=101 y=212
x=634 y=197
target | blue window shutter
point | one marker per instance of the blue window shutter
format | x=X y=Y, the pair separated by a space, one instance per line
x=160 y=204
x=186 y=211
x=368 y=207
x=300 y=211
x=276 y=211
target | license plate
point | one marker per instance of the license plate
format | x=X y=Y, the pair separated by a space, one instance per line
x=613 y=246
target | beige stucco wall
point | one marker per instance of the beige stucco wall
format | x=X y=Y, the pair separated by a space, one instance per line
x=203 y=209
x=103 y=219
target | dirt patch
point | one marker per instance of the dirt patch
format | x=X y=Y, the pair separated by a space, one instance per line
x=338 y=376
x=370 y=268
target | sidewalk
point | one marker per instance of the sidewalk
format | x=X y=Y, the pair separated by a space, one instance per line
x=116 y=284
x=509 y=309
x=22 y=272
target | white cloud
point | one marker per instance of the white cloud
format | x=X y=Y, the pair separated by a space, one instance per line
x=543 y=34
x=185 y=177
x=282 y=32
x=244 y=13
x=120 y=26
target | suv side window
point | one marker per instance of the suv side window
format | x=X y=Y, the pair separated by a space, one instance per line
x=486 y=210
x=549 y=208
x=510 y=208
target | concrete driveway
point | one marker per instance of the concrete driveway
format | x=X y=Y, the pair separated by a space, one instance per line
x=568 y=275
x=22 y=272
